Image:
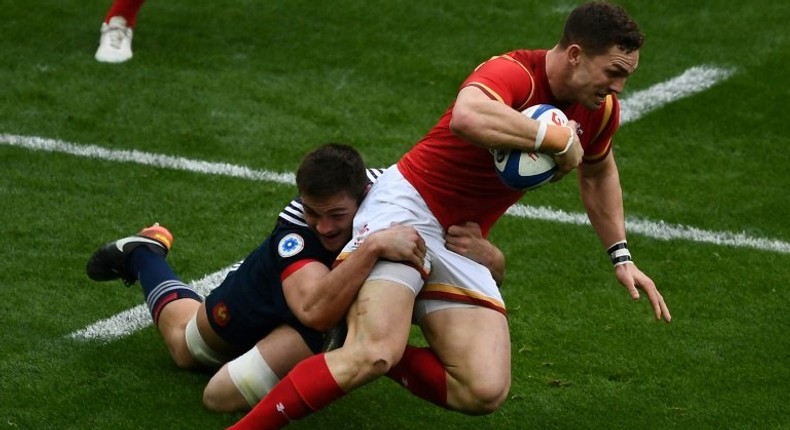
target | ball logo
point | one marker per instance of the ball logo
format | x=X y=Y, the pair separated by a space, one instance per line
x=555 y=118
x=290 y=245
x=527 y=170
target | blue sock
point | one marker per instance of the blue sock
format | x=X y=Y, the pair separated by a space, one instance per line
x=160 y=284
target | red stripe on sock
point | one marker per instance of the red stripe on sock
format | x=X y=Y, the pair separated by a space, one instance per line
x=160 y=304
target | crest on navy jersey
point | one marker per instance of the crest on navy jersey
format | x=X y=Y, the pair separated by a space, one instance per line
x=290 y=245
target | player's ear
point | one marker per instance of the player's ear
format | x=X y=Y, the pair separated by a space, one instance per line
x=574 y=53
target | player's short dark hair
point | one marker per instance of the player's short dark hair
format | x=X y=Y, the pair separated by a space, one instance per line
x=331 y=169
x=596 y=26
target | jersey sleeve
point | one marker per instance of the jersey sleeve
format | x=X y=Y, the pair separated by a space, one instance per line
x=374 y=173
x=293 y=247
x=605 y=123
x=505 y=79
x=293 y=213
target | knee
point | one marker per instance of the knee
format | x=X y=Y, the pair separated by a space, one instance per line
x=220 y=395
x=176 y=341
x=183 y=358
x=484 y=396
x=379 y=361
x=212 y=401
x=374 y=360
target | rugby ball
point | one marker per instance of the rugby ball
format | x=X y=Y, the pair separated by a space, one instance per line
x=529 y=170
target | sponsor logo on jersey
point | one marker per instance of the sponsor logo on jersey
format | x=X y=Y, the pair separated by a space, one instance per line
x=290 y=245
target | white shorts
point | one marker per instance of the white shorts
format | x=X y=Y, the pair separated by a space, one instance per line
x=453 y=278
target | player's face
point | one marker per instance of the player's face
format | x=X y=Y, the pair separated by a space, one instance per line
x=331 y=218
x=600 y=75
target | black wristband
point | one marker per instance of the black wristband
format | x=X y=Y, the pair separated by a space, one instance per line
x=619 y=253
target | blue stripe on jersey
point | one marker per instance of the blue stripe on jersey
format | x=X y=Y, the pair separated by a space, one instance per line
x=294 y=212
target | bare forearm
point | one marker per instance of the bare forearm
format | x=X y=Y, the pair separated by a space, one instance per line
x=603 y=201
x=327 y=300
x=492 y=124
x=331 y=297
x=496 y=265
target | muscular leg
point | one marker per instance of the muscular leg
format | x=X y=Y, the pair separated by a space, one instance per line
x=379 y=330
x=280 y=351
x=172 y=324
x=172 y=303
x=473 y=343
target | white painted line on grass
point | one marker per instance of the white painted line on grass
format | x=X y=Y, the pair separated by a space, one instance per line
x=692 y=81
x=658 y=230
x=119 y=325
x=146 y=158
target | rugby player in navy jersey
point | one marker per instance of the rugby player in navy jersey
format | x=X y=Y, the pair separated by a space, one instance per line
x=282 y=296
x=283 y=290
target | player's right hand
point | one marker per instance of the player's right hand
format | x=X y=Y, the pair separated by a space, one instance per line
x=571 y=159
x=402 y=243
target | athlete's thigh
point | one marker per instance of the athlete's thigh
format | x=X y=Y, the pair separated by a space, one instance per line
x=282 y=349
x=472 y=342
x=381 y=313
x=242 y=382
x=379 y=323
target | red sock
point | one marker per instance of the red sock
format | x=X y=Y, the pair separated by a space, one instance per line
x=421 y=372
x=307 y=388
x=125 y=8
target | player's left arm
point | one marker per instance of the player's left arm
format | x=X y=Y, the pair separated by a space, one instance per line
x=467 y=239
x=491 y=124
x=602 y=195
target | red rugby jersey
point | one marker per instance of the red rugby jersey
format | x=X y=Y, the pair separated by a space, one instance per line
x=458 y=180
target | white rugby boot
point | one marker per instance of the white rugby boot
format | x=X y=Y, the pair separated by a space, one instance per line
x=115 y=44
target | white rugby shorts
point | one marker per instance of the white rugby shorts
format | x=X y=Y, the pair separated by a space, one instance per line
x=453 y=279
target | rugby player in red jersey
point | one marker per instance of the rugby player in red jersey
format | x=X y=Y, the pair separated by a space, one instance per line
x=448 y=177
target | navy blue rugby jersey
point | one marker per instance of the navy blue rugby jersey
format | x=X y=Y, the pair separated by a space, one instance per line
x=250 y=302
